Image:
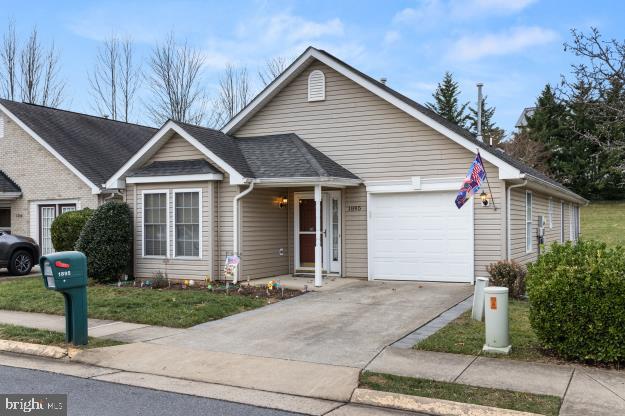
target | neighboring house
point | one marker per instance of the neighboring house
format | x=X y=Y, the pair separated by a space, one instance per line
x=328 y=171
x=528 y=112
x=53 y=161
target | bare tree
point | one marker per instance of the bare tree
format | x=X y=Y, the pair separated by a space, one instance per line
x=273 y=67
x=40 y=83
x=115 y=79
x=234 y=94
x=129 y=79
x=175 y=83
x=531 y=152
x=8 y=59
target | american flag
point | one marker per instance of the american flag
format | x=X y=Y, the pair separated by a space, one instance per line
x=473 y=182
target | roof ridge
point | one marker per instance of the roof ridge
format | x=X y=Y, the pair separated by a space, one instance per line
x=301 y=146
x=80 y=114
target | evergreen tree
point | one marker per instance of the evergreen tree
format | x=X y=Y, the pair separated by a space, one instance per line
x=446 y=101
x=489 y=128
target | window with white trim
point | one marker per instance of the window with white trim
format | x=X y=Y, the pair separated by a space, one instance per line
x=528 y=222
x=571 y=224
x=155 y=224
x=316 y=86
x=550 y=213
x=561 y=221
x=187 y=223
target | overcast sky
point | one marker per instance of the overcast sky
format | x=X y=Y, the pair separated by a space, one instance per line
x=513 y=46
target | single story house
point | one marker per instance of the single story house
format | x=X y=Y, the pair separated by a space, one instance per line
x=326 y=172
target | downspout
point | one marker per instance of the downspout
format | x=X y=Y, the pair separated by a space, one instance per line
x=235 y=226
x=508 y=197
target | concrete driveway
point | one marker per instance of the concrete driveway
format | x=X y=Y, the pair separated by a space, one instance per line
x=347 y=327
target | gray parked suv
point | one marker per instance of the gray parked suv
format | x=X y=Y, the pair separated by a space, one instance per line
x=18 y=253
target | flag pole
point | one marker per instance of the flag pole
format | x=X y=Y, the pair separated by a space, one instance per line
x=490 y=191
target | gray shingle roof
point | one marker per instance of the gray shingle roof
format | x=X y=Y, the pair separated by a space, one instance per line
x=275 y=156
x=176 y=167
x=7 y=184
x=95 y=146
x=288 y=156
x=221 y=145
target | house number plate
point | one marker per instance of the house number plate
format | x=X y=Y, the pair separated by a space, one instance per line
x=354 y=208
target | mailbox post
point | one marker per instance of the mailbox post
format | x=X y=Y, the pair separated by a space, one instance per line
x=66 y=272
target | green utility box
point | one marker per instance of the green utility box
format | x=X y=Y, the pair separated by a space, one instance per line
x=66 y=272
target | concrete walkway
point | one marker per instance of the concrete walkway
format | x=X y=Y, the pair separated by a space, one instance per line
x=584 y=390
x=99 y=328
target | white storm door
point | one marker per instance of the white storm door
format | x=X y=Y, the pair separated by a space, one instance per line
x=47 y=214
x=332 y=231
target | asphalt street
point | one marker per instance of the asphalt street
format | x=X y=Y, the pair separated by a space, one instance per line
x=98 y=398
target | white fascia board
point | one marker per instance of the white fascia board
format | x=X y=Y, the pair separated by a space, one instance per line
x=506 y=171
x=176 y=178
x=548 y=188
x=94 y=188
x=10 y=195
x=146 y=151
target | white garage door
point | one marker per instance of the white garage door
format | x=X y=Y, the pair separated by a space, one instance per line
x=420 y=236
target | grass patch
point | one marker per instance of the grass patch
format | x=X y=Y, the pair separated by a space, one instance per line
x=173 y=308
x=466 y=336
x=506 y=399
x=44 y=337
x=604 y=221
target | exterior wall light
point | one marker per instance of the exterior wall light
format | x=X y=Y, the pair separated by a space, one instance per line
x=484 y=198
x=284 y=201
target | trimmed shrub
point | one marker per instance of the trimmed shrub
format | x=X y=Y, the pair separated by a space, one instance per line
x=106 y=240
x=66 y=229
x=577 y=301
x=510 y=274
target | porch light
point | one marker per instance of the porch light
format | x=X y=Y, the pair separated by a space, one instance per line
x=484 y=198
x=284 y=201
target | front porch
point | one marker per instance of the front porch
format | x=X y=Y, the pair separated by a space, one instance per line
x=297 y=227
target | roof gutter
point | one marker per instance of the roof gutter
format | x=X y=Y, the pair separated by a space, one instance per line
x=235 y=225
x=508 y=197
x=563 y=190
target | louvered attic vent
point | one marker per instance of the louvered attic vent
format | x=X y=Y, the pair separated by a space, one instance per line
x=316 y=86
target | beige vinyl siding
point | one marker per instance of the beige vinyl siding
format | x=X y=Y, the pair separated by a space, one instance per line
x=376 y=141
x=224 y=194
x=265 y=232
x=177 y=148
x=175 y=268
x=540 y=207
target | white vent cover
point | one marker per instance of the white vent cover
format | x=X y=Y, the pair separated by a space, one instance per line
x=316 y=86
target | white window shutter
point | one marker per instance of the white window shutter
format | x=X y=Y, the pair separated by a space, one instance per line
x=316 y=86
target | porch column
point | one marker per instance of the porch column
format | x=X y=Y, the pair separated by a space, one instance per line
x=318 y=278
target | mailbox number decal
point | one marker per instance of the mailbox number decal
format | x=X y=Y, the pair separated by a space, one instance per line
x=493 y=303
x=61 y=265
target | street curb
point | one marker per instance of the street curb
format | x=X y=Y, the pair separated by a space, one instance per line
x=47 y=351
x=427 y=405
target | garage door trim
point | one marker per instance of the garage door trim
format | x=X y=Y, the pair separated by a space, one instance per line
x=446 y=186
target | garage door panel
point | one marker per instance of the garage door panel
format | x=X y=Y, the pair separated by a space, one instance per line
x=420 y=236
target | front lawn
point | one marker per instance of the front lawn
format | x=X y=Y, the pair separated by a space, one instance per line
x=604 y=221
x=173 y=308
x=44 y=337
x=466 y=336
x=506 y=399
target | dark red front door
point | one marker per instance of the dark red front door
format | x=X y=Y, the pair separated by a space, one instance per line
x=307 y=232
